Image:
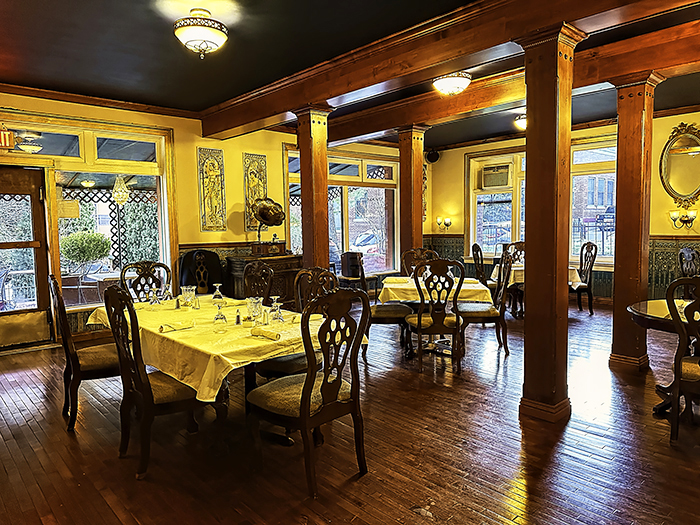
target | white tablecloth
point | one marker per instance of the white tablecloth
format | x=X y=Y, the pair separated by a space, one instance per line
x=517 y=275
x=199 y=357
x=404 y=289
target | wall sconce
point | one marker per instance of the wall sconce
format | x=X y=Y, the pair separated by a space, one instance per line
x=444 y=225
x=686 y=219
x=521 y=122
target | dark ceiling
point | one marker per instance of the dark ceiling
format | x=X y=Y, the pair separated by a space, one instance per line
x=125 y=50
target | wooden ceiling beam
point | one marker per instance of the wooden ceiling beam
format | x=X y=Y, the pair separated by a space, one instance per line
x=669 y=51
x=471 y=29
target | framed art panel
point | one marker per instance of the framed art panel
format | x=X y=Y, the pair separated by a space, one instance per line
x=255 y=183
x=212 y=194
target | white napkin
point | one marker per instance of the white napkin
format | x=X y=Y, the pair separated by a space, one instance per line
x=265 y=332
x=314 y=317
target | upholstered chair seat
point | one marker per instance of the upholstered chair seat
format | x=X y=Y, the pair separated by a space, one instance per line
x=427 y=321
x=99 y=357
x=473 y=309
x=167 y=389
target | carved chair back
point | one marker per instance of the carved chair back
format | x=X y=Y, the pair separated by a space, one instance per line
x=59 y=308
x=410 y=259
x=516 y=250
x=339 y=338
x=589 y=251
x=125 y=328
x=257 y=280
x=501 y=292
x=311 y=283
x=478 y=257
x=440 y=284
x=150 y=275
x=201 y=268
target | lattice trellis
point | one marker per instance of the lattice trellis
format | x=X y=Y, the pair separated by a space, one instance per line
x=117 y=225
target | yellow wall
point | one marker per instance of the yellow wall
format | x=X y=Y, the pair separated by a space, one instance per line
x=448 y=176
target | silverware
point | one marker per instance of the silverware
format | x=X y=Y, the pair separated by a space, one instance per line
x=161 y=328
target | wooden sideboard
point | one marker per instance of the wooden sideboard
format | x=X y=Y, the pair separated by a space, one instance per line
x=285 y=267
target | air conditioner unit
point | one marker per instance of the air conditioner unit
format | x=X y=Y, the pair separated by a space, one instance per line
x=495 y=176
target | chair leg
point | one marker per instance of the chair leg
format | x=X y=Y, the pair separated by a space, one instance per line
x=498 y=333
x=318 y=437
x=125 y=417
x=457 y=350
x=74 y=385
x=359 y=427
x=309 y=461
x=675 y=409
x=364 y=346
x=504 y=328
x=420 y=352
x=146 y=423
x=590 y=300
x=66 y=390
x=578 y=298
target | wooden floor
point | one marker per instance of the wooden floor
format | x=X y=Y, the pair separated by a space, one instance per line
x=440 y=448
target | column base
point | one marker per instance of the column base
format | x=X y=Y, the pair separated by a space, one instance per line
x=550 y=413
x=625 y=361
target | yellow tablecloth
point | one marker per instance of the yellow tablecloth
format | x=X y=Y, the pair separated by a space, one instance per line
x=404 y=289
x=517 y=275
x=199 y=357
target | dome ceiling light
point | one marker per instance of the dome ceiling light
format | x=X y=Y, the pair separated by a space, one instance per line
x=200 y=33
x=25 y=141
x=521 y=122
x=452 y=84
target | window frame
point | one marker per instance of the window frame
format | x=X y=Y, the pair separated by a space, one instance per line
x=363 y=160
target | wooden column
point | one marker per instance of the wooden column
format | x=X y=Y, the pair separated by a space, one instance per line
x=312 y=139
x=549 y=76
x=411 y=187
x=635 y=108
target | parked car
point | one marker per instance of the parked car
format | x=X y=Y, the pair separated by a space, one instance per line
x=366 y=242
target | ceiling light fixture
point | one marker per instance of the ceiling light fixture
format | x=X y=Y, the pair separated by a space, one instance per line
x=30 y=147
x=452 y=84
x=200 y=33
x=120 y=192
x=521 y=122
x=87 y=183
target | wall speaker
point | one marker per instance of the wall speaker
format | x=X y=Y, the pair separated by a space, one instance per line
x=432 y=156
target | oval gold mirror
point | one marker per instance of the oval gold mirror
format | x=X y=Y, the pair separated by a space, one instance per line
x=680 y=165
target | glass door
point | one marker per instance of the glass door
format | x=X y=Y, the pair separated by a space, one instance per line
x=24 y=301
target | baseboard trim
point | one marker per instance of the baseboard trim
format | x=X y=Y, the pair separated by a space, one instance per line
x=549 y=413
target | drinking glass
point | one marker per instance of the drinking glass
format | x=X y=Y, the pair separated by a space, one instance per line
x=219 y=320
x=254 y=306
x=218 y=297
x=275 y=310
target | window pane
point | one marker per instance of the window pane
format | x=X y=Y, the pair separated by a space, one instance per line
x=371 y=226
x=494 y=213
x=293 y=164
x=101 y=236
x=375 y=171
x=523 y=164
x=17 y=279
x=17 y=213
x=601 y=192
x=335 y=225
x=295 y=241
x=611 y=193
x=592 y=224
x=591 y=191
x=55 y=144
x=347 y=170
x=118 y=149
x=586 y=156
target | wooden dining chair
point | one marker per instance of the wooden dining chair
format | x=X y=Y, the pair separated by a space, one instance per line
x=478 y=257
x=412 y=258
x=686 y=368
x=201 y=268
x=477 y=312
x=589 y=251
x=433 y=316
x=92 y=362
x=688 y=266
x=152 y=393
x=257 y=281
x=516 y=291
x=306 y=401
x=150 y=275
x=308 y=284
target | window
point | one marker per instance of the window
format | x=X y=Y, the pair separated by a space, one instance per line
x=361 y=209
x=493 y=220
x=593 y=200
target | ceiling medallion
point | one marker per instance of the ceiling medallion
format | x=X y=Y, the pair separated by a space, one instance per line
x=200 y=33
x=452 y=84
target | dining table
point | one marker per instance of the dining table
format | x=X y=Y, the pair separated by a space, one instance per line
x=403 y=288
x=654 y=314
x=182 y=341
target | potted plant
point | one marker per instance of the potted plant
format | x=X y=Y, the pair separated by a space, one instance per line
x=84 y=248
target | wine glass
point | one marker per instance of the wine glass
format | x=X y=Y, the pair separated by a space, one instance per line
x=219 y=320
x=218 y=297
x=275 y=310
x=254 y=306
